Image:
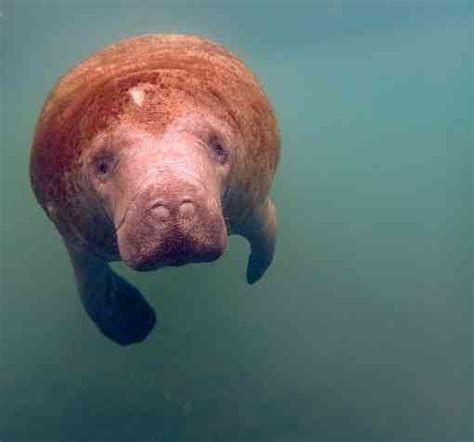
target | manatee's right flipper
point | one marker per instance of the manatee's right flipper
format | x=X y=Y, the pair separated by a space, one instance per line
x=260 y=231
x=117 y=308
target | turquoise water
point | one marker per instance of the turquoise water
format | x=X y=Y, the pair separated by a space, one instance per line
x=362 y=328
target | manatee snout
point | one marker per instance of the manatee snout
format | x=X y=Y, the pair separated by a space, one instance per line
x=170 y=222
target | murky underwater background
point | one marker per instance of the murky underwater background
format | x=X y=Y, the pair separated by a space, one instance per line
x=362 y=328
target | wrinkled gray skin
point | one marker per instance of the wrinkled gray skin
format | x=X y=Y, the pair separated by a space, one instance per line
x=163 y=195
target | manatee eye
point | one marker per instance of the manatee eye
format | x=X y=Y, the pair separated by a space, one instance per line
x=103 y=164
x=218 y=150
x=102 y=167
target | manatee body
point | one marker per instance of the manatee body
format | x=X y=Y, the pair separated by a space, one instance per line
x=152 y=151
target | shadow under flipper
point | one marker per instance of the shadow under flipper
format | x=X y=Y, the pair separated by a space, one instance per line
x=116 y=306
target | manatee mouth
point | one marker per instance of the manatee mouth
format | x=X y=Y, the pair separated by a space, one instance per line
x=175 y=251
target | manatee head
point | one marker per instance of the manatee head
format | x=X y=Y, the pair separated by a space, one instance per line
x=162 y=191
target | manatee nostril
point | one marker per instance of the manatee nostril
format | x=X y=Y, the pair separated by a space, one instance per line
x=160 y=210
x=155 y=204
x=186 y=208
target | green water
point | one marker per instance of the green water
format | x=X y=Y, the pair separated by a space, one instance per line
x=362 y=328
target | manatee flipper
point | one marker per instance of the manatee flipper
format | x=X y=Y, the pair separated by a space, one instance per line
x=260 y=231
x=116 y=307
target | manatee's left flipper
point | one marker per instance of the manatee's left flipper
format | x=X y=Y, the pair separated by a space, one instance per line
x=261 y=233
x=117 y=308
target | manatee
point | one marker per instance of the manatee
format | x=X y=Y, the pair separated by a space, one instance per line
x=153 y=151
